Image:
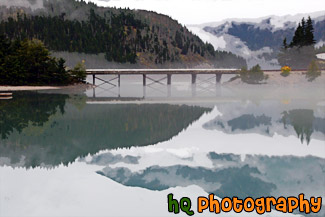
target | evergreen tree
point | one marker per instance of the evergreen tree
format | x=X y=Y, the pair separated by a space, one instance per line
x=298 y=38
x=28 y=62
x=301 y=51
x=210 y=49
x=304 y=34
x=253 y=76
x=309 y=33
x=303 y=26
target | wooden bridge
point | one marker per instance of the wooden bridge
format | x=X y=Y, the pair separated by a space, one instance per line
x=168 y=72
x=146 y=72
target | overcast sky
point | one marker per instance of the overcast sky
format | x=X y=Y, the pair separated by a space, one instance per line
x=203 y=11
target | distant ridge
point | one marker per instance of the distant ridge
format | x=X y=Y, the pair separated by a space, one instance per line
x=258 y=40
x=141 y=38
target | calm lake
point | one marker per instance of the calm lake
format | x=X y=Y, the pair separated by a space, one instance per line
x=113 y=151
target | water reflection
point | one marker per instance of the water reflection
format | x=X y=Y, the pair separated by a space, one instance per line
x=215 y=168
x=29 y=108
x=222 y=182
x=49 y=129
x=243 y=147
x=255 y=176
x=302 y=121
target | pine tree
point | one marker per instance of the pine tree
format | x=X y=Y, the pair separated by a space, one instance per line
x=301 y=51
x=298 y=38
x=309 y=33
x=28 y=62
x=303 y=25
x=304 y=34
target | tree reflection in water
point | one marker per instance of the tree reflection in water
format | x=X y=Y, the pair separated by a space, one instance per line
x=50 y=129
x=304 y=122
x=300 y=121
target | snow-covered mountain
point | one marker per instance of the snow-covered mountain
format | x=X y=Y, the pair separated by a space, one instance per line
x=257 y=40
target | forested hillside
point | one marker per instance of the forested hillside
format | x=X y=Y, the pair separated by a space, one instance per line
x=123 y=35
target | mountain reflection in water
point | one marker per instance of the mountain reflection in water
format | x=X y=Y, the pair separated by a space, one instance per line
x=240 y=175
x=255 y=176
x=237 y=147
x=303 y=122
x=50 y=129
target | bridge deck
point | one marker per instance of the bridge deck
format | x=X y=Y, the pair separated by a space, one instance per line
x=160 y=71
x=169 y=72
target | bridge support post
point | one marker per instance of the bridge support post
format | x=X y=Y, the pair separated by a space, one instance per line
x=193 y=78
x=169 y=79
x=94 y=78
x=218 y=78
x=144 y=79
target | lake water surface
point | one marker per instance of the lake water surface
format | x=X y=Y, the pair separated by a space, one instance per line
x=120 y=151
